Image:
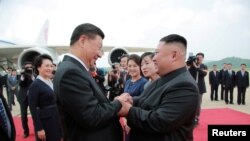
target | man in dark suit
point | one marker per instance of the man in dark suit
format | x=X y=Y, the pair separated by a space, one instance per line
x=25 y=81
x=199 y=70
x=9 y=70
x=229 y=83
x=7 y=128
x=86 y=114
x=165 y=111
x=221 y=79
x=12 y=83
x=214 y=83
x=242 y=82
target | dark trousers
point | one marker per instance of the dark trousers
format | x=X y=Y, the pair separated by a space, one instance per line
x=241 y=95
x=11 y=99
x=214 y=92
x=222 y=92
x=198 y=111
x=231 y=90
x=24 y=113
x=8 y=95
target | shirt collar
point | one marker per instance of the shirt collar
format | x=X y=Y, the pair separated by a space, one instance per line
x=163 y=80
x=73 y=56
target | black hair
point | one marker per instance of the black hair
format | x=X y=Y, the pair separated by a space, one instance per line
x=135 y=58
x=124 y=55
x=243 y=64
x=150 y=54
x=174 y=38
x=27 y=63
x=200 y=53
x=39 y=60
x=87 y=29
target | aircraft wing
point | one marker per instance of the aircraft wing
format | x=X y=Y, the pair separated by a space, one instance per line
x=18 y=54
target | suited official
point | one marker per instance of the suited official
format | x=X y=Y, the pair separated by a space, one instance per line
x=13 y=83
x=86 y=114
x=229 y=84
x=166 y=109
x=11 y=135
x=221 y=79
x=214 y=83
x=242 y=83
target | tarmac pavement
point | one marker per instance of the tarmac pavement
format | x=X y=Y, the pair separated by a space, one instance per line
x=206 y=102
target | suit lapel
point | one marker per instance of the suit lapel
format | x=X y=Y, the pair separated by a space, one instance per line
x=98 y=92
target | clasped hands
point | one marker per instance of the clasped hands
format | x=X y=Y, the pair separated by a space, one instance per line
x=127 y=102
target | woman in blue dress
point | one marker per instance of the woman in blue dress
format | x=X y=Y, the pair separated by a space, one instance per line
x=42 y=102
x=135 y=85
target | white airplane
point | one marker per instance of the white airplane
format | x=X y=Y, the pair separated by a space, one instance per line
x=10 y=53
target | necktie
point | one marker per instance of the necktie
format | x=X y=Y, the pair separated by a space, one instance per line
x=3 y=118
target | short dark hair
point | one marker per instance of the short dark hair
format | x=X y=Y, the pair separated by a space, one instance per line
x=9 y=68
x=243 y=64
x=87 y=29
x=200 y=53
x=27 y=63
x=174 y=38
x=124 y=55
x=39 y=60
x=150 y=54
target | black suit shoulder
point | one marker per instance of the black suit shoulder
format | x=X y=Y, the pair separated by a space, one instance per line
x=165 y=112
x=83 y=105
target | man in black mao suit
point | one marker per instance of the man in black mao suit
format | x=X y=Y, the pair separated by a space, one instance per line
x=8 y=132
x=242 y=83
x=214 y=83
x=85 y=112
x=165 y=111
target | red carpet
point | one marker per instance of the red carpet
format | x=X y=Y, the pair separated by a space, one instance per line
x=208 y=116
x=19 y=129
x=224 y=116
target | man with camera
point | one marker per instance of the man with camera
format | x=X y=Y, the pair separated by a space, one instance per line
x=114 y=81
x=198 y=70
x=26 y=79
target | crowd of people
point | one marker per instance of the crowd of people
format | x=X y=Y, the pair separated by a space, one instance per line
x=155 y=96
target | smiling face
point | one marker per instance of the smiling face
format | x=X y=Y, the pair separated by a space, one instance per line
x=148 y=67
x=46 y=68
x=133 y=68
x=124 y=63
x=92 y=49
x=163 y=58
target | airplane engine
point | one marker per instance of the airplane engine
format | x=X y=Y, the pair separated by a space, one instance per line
x=115 y=55
x=31 y=53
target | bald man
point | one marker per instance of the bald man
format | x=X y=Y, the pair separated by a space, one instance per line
x=165 y=111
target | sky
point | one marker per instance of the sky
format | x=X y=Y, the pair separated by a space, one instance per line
x=218 y=28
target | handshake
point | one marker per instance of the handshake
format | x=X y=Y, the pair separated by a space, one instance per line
x=127 y=102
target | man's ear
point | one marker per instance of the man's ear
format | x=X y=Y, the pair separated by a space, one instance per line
x=82 y=40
